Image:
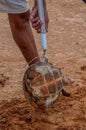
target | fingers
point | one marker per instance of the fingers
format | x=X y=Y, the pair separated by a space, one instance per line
x=36 y=22
x=39 y=30
x=33 y=20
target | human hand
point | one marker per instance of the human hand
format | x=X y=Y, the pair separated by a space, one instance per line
x=35 y=20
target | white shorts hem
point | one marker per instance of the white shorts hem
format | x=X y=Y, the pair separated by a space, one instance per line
x=15 y=12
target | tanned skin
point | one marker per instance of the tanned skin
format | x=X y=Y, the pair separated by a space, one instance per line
x=22 y=33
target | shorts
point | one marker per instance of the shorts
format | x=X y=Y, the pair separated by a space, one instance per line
x=14 y=6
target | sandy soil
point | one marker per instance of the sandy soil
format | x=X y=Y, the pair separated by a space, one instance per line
x=66 y=49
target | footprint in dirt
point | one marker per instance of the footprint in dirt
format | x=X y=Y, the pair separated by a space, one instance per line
x=3 y=80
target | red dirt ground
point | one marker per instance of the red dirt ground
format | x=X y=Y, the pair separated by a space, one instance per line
x=67 y=50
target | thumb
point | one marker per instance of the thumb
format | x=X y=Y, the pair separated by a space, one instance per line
x=34 y=12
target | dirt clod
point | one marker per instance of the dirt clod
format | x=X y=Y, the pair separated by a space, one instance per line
x=3 y=80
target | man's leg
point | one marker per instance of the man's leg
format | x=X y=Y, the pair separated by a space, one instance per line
x=22 y=34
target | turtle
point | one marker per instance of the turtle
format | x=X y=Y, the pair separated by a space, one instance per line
x=43 y=84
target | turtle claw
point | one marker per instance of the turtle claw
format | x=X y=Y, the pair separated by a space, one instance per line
x=65 y=93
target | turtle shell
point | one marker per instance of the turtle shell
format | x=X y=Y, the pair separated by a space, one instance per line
x=42 y=84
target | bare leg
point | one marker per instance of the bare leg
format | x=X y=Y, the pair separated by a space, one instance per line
x=22 y=34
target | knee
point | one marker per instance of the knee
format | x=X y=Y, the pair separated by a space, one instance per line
x=19 y=21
